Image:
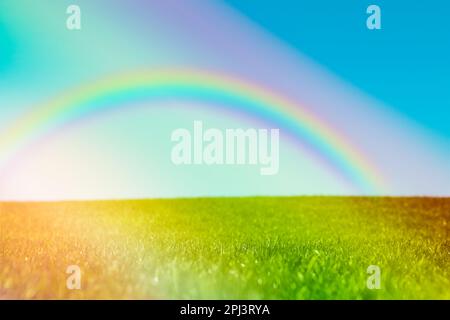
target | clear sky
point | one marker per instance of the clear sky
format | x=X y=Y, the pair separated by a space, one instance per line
x=359 y=111
x=406 y=64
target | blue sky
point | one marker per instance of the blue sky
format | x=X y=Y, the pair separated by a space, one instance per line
x=405 y=65
x=127 y=154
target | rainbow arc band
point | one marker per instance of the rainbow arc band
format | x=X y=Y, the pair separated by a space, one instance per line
x=329 y=146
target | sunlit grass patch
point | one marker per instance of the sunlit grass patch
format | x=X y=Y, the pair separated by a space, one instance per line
x=227 y=248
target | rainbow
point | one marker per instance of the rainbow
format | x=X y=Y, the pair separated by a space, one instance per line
x=110 y=93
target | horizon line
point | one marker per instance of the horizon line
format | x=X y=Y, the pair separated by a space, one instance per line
x=412 y=196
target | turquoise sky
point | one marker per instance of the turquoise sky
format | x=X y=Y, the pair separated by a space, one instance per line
x=406 y=64
x=384 y=92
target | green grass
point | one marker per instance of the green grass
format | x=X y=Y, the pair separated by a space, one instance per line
x=228 y=248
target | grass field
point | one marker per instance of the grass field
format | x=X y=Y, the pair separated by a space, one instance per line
x=227 y=248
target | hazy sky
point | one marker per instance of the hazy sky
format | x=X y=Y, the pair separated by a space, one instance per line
x=383 y=94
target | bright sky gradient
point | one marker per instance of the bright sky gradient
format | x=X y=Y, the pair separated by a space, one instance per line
x=383 y=94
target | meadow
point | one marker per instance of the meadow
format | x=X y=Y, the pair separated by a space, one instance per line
x=227 y=248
